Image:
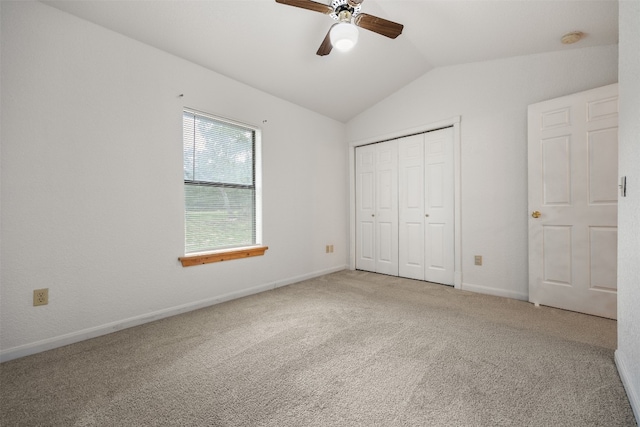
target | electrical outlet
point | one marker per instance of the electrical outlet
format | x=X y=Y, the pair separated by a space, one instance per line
x=478 y=259
x=329 y=249
x=41 y=296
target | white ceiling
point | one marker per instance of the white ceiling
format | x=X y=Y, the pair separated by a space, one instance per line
x=272 y=47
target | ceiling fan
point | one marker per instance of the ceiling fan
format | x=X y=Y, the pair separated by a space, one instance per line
x=343 y=35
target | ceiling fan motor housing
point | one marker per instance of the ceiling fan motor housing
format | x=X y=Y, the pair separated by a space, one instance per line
x=352 y=7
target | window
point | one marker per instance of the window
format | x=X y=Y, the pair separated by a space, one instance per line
x=221 y=165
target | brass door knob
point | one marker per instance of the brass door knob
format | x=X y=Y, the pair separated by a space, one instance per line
x=536 y=214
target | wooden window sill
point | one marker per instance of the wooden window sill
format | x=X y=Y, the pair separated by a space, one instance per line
x=224 y=255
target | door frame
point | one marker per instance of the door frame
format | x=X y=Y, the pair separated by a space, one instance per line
x=453 y=122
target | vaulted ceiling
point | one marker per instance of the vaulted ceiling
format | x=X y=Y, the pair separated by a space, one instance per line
x=272 y=47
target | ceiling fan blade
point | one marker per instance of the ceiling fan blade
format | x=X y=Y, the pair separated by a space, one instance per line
x=309 y=5
x=378 y=25
x=326 y=46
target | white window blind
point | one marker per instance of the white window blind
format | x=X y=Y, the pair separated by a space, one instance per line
x=219 y=183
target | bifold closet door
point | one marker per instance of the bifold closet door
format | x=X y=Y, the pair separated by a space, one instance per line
x=426 y=211
x=439 y=206
x=411 y=212
x=377 y=208
x=405 y=207
x=365 y=208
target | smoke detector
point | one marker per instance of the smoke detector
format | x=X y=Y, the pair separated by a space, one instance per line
x=572 y=37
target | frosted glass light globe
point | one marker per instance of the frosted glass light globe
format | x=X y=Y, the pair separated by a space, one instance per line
x=343 y=36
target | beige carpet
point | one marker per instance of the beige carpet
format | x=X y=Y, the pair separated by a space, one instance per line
x=346 y=349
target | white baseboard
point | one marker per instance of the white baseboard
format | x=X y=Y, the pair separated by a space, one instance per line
x=632 y=393
x=494 y=291
x=85 y=334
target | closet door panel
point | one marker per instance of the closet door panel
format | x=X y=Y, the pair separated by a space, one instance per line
x=365 y=208
x=386 y=209
x=436 y=242
x=411 y=207
x=439 y=209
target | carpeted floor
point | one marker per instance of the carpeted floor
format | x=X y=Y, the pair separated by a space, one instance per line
x=347 y=349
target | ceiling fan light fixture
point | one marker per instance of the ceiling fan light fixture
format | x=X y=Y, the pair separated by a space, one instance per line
x=344 y=36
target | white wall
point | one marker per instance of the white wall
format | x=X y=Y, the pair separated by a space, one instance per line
x=92 y=197
x=491 y=98
x=628 y=353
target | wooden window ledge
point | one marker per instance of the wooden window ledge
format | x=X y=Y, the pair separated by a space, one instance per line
x=224 y=255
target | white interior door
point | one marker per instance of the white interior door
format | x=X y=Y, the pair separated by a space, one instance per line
x=377 y=208
x=439 y=206
x=573 y=168
x=386 y=208
x=411 y=210
x=365 y=208
x=426 y=211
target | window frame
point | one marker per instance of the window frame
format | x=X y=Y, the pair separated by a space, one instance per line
x=233 y=252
